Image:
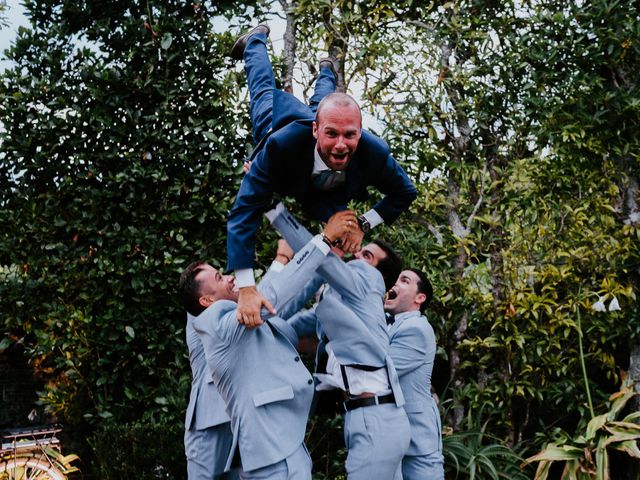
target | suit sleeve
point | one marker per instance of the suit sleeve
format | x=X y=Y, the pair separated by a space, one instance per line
x=293 y=231
x=398 y=189
x=408 y=348
x=301 y=298
x=283 y=288
x=254 y=198
x=218 y=323
x=348 y=281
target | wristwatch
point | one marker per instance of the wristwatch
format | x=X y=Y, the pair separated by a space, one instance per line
x=365 y=226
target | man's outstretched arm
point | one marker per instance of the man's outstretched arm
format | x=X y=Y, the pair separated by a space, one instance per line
x=284 y=287
x=252 y=200
x=345 y=280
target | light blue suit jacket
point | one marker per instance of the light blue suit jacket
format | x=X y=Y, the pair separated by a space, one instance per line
x=413 y=349
x=351 y=312
x=206 y=408
x=258 y=372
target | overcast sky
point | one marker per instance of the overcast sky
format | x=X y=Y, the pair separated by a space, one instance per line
x=14 y=13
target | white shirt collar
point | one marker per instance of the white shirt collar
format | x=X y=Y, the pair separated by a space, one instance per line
x=318 y=163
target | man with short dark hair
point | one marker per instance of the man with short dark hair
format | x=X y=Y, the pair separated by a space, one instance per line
x=258 y=372
x=350 y=315
x=317 y=154
x=413 y=350
x=207 y=436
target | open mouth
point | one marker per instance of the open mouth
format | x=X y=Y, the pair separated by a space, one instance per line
x=340 y=157
x=392 y=294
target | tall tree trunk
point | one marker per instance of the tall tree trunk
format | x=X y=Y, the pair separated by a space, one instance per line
x=632 y=217
x=289 y=50
x=460 y=145
x=496 y=165
x=337 y=40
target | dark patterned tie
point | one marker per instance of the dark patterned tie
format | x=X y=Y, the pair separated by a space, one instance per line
x=390 y=318
x=328 y=179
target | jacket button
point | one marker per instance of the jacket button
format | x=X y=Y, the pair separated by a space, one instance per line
x=297 y=359
x=310 y=381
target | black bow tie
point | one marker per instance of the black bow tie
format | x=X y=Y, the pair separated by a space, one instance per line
x=328 y=179
x=390 y=319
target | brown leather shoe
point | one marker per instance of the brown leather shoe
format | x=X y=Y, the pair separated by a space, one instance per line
x=329 y=62
x=237 y=50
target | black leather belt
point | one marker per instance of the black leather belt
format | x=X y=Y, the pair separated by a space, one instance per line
x=354 y=403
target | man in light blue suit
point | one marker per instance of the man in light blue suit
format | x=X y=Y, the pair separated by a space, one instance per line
x=258 y=372
x=413 y=350
x=351 y=316
x=207 y=436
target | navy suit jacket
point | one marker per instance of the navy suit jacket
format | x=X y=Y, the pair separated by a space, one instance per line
x=284 y=164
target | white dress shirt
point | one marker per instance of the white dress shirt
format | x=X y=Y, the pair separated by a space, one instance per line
x=360 y=381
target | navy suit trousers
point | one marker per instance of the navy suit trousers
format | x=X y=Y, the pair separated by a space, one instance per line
x=261 y=82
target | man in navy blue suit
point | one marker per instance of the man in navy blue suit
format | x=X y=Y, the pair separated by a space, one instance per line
x=317 y=154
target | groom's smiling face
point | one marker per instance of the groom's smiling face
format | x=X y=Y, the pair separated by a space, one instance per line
x=337 y=129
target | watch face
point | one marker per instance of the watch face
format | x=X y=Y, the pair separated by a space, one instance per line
x=364 y=224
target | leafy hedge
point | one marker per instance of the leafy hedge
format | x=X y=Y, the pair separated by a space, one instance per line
x=124 y=128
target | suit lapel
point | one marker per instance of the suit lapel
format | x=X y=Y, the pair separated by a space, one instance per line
x=394 y=328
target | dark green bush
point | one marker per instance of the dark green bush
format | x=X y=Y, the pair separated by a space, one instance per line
x=139 y=450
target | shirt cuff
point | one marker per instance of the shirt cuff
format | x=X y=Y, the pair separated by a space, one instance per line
x=245 y=278
x=318 y=242
x=274 y=212
x=373 y=218
x=276 y=266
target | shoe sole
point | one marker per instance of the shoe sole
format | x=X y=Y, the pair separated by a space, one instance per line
x=237 y=51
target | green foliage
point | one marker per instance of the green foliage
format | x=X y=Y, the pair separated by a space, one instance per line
x=587 y=455
x=522 y=135
x=120 y=158
x=325 y=443
x=139 y=450
x=476 y=455
x=518 y=121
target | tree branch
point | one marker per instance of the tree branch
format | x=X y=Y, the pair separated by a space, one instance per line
x=289 y=50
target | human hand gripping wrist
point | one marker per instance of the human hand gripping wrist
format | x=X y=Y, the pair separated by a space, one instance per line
x=352 y=241
x=339 y=226
x=250 y=302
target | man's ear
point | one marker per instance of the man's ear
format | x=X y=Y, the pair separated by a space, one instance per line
x=314 y=126
x=205 y=300
x=421 y=298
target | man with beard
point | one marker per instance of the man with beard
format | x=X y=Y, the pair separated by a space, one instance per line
x=351 y=317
